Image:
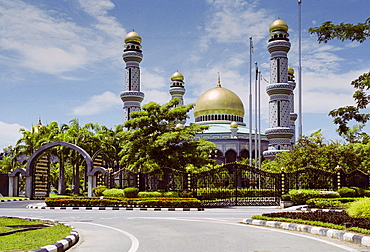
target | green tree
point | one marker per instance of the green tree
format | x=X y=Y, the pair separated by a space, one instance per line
x=154 y=139
x=343 y=115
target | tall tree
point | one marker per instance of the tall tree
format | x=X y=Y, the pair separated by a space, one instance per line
x=343 y=115
x=154 y=139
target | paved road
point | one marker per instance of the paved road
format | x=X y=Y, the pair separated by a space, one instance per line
x=212 y=230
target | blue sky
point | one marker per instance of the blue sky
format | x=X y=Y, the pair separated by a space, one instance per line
x=62 y=59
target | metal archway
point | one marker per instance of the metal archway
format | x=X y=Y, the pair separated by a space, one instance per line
x=40 y=151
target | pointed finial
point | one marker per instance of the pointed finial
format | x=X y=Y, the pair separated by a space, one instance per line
x=219 y=80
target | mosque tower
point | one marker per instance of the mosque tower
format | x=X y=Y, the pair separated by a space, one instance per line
x=132 y=55
x=293 y=116
x=279 y=132
x=177 y=89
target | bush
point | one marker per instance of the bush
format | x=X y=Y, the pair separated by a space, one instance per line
x=301 y=196
x=130 y=192
x=285 y=197
x=359 y=208
x=114 y=192
x=347 y=192
x=337 y=203
x=221 y=193
x=121 y=202
x=98 y=191
x=158 y=194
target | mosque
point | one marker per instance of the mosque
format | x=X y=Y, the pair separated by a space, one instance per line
x=222 y=109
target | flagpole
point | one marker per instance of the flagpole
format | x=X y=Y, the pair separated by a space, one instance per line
x=259 y=119
x=250 y=100
x=255 y=117
x=299 y=71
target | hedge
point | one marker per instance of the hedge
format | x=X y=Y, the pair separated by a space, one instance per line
x=121 y=202
x=220 y=193
x=300 y=197
x=335 y=203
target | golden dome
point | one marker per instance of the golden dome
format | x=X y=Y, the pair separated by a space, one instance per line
x=177 y=76
x=133 y=37
x=290 y=70
x=219 y=101
x=279 y=25
x=234 y=125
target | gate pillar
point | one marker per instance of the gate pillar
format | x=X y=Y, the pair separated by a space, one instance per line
x=29 y=187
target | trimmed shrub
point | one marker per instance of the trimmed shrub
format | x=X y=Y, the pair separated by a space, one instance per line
x=158 y=194
x=300 y=197
x=359 y=208
x=285 y=197
x=222 y=193
x=98 y=191
x=121 y=202
x=114 y=192
x=131 y=192
x=337 y=203
x=347 y=192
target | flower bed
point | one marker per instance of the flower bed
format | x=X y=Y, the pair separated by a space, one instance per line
x=337 y=218
x=122 y=202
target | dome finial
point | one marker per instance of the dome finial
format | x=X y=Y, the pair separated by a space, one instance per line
x=219 y=80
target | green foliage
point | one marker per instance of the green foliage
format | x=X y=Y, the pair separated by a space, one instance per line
x=130 y=192
x=158 y=194
x=121 y=202
x=221 y=193
x=98 y=191
x=328 y=31
x=31 y=240
x=154 y=141
x=300 y=197
x=316 y=151
x=359 y=208
x=114 y=192
x=325 y=203
x=351 y=192
x=285 y=197
x=336 y=218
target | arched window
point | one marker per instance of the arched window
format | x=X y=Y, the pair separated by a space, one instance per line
x=230 y=156
x=244 y=154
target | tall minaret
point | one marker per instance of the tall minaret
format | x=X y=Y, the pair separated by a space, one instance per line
x=132 y=55
x=293 y=115
x=279 y=132
x=177 y=89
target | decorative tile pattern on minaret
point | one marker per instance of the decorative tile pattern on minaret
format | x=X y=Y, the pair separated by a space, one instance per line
x=279 y=132
x=132 y=55
x=293 y=115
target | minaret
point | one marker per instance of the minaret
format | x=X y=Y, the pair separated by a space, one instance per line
x=293 y=115
x=132 y=55
x=177 y=89
x=279 y=132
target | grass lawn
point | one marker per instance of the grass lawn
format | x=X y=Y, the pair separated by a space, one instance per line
x=30 y=240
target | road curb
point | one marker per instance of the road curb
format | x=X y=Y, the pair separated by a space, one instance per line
x=116 y=208
x=331 y=233
x=13 y=200
x=61 y=245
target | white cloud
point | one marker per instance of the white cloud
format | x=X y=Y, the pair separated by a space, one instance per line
x=9 y=134
x=98 y=104
x=43 y=41
x=235 y=21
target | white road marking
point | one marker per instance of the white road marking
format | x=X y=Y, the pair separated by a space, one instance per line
x=252 y=226
x=134 y=241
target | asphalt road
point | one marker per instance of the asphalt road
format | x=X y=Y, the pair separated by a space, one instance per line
x=210 y=230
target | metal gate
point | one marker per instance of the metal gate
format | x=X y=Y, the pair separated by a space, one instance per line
x=237 y=185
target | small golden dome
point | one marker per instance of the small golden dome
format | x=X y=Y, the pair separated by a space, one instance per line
x=290 y=70
x=234 y=125
x=219 y=101
x=177 y=76
x=279 y=25
x=133 y=37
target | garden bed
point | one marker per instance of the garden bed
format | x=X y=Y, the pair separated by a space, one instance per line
x=122 y=202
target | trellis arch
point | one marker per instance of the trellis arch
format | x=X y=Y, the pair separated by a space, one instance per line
x=40 y=151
